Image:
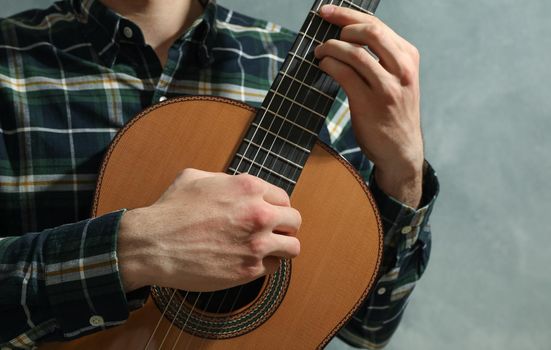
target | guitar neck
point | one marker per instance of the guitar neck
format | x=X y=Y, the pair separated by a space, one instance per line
x=285 y=128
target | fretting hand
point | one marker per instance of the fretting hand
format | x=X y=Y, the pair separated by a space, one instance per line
x=383 y=96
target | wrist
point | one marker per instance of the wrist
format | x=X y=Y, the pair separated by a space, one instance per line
x=132 y=267
x=403 y=182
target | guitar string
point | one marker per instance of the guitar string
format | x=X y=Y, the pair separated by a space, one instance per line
x=325 y=79
x=308 y=116
x=184 y=325
x=160 y=319
x=262 y=118
x=265 y=110
x=182 y=329
x=245 y=152
x=172 y=323
x=268 y=108
x=294 y=54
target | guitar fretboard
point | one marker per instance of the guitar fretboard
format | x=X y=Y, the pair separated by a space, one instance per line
x=286 y=127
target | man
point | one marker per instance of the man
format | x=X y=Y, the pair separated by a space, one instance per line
x=73 y=74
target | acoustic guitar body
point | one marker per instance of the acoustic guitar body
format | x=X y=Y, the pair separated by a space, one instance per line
x=301 y=308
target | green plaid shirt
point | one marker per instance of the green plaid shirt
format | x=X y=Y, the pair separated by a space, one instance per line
x=70 y=77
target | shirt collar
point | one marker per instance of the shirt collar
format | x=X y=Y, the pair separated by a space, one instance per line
x=106 y=30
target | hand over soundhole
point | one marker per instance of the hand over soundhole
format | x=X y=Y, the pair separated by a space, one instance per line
x=207 y=232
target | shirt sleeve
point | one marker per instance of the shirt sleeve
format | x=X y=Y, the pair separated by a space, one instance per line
x=407 y=241
x=61 y=283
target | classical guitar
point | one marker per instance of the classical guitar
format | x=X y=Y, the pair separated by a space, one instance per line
x=306 y=301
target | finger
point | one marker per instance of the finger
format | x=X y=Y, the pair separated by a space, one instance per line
x=383 y=45
x=283 y=246
x=342 y=16
x=356 y=88
x=276 y=196
x=287 y=220
x=355 y=56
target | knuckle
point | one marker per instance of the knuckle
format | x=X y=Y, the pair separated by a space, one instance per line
x=260 y=215
x=391 y=93
x=248 y=184
x=408 y=74
x=331 y=43
x=414 y=53
x=357 y=54
x=286 y=200
x=373 y=31
x=360 y=54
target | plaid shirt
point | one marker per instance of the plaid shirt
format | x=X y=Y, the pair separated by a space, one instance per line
x=70 y=77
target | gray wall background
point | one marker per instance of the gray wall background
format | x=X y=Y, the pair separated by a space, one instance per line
x=486 y=109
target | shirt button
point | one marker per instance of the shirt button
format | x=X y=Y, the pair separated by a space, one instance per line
x=381 y=291
x=127 y=31
x=406 y=230
x=97 y=321
x=162 y=98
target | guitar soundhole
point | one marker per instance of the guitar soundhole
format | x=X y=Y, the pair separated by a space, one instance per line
x=228 y=313
x=224 y=301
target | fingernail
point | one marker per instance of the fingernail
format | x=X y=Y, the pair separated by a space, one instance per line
x=326 y=10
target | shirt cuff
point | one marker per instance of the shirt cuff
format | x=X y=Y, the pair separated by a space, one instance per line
x=402 y=223
x=82 y=276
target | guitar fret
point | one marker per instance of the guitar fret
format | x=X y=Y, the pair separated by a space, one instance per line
x=298 y=104
x=308 y=86
x=286 y=150
x=295 y=112
x=280 y=137
x=273 y=153
x=353 y=5
x=289 y=121
x=303 y=94
x=296 y=55
x=311 y=38
x=307 y=75
x=263 y=166
x=265 y=169
x=285 y=128
x=319 y=28
x=358 y=8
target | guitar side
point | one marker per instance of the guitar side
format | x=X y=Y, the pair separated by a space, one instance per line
x=341 y=237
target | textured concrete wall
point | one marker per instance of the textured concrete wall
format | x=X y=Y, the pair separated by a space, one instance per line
x=486 y=109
